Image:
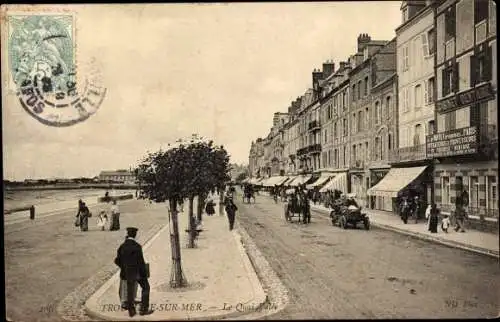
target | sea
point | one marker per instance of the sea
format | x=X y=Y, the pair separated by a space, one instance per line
x=54 y=200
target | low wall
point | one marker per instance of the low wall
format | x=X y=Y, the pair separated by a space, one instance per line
x=111 y=198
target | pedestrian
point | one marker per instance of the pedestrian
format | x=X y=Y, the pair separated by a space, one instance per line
x=428 y=216
x=134 y=270
x=83 y=214
x=462 y=201
x=445 y=223
x=115 y=217
x=306 y=210
x=231 y=212
x=102 y=220
x=434 y=219
x=210 y=207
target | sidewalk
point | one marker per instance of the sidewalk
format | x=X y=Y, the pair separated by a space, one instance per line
x=221 y=280
x=472 y=240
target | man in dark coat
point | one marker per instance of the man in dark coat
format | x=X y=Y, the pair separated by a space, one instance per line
x=133 y=269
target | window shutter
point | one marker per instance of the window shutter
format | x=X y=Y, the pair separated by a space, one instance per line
x=488 y=66
x=444 y=82
x=455 y=77
x=473 y=70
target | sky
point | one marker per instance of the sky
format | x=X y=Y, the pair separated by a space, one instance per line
x=170 y=70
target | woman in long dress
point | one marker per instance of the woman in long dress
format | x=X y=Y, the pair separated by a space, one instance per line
x=115 y=217
x=434 y=219
x=84 y=214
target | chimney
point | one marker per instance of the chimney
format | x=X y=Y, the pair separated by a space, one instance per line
x=317 y=75
x=328 y=68
x=363 y=39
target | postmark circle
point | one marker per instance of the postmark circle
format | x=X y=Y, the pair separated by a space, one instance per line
x=42 y=62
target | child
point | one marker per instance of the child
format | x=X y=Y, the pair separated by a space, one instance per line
x=102 y=219
x=445 y=223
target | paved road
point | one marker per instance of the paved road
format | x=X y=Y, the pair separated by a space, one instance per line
x=343 y=274
x=47 y=259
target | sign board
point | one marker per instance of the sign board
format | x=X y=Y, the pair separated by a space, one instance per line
x=451 y=143
x=474 y=95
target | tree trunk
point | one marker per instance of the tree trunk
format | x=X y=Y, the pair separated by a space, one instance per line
x=192 y=224
x=221 y=202
x=201 y=206
x=177 y=278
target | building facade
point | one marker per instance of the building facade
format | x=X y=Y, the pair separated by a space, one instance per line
x=118 y=176
x=465 y=141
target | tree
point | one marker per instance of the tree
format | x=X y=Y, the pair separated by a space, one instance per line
x=190 y=169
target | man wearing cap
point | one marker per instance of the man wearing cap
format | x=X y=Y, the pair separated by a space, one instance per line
x=133 y=269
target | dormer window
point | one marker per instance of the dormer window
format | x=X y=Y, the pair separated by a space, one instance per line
x=365 y=53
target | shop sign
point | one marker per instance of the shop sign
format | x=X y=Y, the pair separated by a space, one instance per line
x=455 y=142
x=474 y=95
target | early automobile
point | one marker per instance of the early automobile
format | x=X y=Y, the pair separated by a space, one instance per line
x=347 y=213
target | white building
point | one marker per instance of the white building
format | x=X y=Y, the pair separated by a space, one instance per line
x=415 y=69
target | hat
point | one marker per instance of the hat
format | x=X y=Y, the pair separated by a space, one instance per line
x=132 y=230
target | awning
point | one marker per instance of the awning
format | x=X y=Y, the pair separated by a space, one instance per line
x=339 y=182
x=272 y=181
x=321 y=180
x=394 y=181
x=299 y=180
x=289 y=180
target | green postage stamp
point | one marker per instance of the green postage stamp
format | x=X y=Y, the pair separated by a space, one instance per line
x=44 y=72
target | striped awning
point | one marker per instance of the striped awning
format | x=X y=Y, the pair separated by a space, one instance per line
x=300 y=180
x=394 y=181
x=321 y=180
x=339 y=182
x=272 y=181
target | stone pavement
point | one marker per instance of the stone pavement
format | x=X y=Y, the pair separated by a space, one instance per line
x=222 y=282
x=472 y=240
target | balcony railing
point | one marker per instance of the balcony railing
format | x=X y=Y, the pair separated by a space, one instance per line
x=314 y=125
x=314 y=148
x=411 y=153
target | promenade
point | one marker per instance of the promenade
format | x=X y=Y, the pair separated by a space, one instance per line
x=221 y=280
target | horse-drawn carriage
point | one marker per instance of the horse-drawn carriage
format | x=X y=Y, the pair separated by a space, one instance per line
x=297 y=205
x=345 y=212
x=248 y=194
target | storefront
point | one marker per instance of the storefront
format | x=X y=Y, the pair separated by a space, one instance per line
x=379 y=202
x=409 y=181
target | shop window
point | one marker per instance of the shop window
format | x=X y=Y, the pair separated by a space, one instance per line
x=445 y=189
x=474 y=192
x=492 y=200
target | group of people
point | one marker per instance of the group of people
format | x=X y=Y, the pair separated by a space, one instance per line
x=410 y=207
x=83 y=214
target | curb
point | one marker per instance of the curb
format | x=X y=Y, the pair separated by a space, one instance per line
x=453 y=244
x=93 y=298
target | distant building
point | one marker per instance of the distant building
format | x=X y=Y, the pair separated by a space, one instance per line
x=118 y=176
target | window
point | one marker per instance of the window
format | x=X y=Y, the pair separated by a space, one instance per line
x=405 y=100
x=430 y=127
x=388 y=107
x=345 y=127
x=359 y=89
x=450 y=23
x=417 y=135
x=366 y=85
x=429 y=91
x=425 y=44
x=406 y=58
x=480 y=10
x=367 y=118
x=481 y=67
x=353 y=124
x=354 y=153
x=418 y=96
x=360 y=121
x=335 y=133
x=389 y=141
x=445 y=187
x=354 y=92
x=377 y=148
x=377 y=113
x=329 y=158
x=474 y=192
x=344 y=157
x=405 y=15
x=431 y=40
x=450 y=79
x=344 y=103
x=492 y=196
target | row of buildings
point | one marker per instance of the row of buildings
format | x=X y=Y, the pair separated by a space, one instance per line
x=415 y=112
